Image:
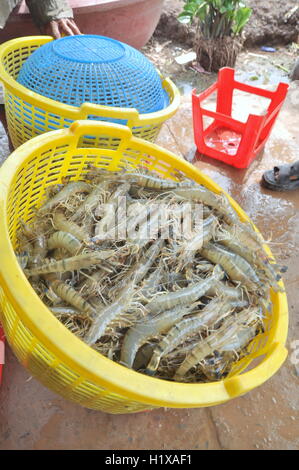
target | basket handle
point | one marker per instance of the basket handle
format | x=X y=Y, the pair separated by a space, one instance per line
x=85 y=127
x=127 y=114
x=241 y=384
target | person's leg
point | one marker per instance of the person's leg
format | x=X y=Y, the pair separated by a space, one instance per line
x=282 y=178
x=6 y=7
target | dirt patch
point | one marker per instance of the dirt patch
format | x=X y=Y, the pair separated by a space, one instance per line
x=169 y=27
x=272 y=23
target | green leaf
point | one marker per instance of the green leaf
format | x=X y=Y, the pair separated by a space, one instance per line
x=202 y=11
x=216 y=18
x=241 y=19
x=193 y=9
x=217 y=3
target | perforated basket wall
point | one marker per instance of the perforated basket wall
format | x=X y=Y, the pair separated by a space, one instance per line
x=53 y=354
x=30 y=114
x=95 y=69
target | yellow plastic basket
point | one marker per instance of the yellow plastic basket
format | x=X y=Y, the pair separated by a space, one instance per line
x=30 y=114
x=60 y=360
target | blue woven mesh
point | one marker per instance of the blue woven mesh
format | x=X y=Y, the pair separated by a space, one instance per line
x=96 y=69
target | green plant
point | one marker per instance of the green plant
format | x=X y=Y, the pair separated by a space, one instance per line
x=216 y=19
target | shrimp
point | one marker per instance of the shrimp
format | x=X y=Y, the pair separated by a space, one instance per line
x=68 y=190
x=25 y=246
x=230 y=214
x=203 y=266
x=144 y=179
x=156 y=183
x=62 y=224
x=219 y=288
x=189 y=248
x=241 y=339
x=170 y=278
x=139 y=271
x=23 y=259
x=71 y=296
x=101 y=173
x=185 y=295
x=152 y=327
x=124 y=299
x=83 y=261
x=245 y=227
x=202 y=194
x=251 y=239
x=66 y=241
x=64 y=311
x=237 y=268
x=147 y=229
x=90 y=284
x=140 y=214
x=98 y=194
x=238 y=248
x=105 y=224
x=218 y=366
x=150 y=284
x=142 y=357
x=223 y=206
x=110 y=313
x=219 y=339
x=215 y=311
x=39 y=250
x=50 y=294
x=141 y=283
x=28 y=232
x=109 y=217
x=254 y=258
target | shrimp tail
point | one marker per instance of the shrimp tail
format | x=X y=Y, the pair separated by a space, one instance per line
x=153 y=364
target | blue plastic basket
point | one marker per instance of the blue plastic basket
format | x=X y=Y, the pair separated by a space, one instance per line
x=96 y=69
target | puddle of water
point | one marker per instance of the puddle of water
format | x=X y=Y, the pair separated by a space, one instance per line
x=276 y=216
x=263 y=70
x=188 y=80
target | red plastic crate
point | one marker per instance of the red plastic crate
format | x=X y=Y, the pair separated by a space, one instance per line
x=226 y=139
x=2 y=347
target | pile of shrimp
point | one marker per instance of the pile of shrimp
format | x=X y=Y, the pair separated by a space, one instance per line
x=182 y=309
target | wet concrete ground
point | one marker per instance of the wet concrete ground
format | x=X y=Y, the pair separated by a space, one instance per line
x=32 y=417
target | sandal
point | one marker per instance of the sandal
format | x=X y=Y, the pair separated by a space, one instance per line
x=282 y=178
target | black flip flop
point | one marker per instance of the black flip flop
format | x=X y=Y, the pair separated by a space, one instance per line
x=282 y=178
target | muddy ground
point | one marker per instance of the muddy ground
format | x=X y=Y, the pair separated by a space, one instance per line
x=273 y=22
x=253 y=66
